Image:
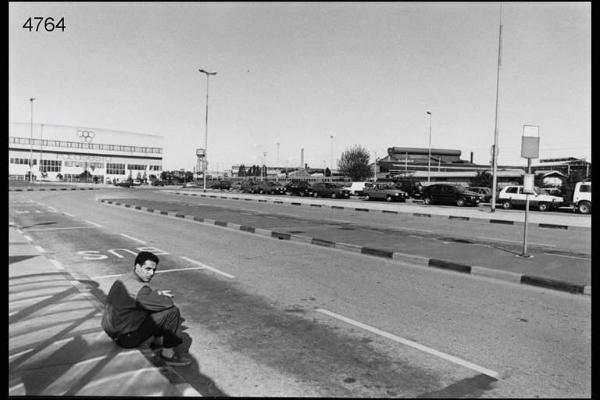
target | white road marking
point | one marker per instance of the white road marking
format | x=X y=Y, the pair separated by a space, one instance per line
x=57 y=264
x=70 y=215
x=28 y=238
x=52 y=209
x=56 y=229
x=561 y=255
x=415 y=345
x=13 y=356
x=40 y=248
x=22 y=212
x=132 y=238
x=93 y=223
x=158 y=272
x=208 y=267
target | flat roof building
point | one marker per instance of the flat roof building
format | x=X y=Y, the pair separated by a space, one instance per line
x=59 y=152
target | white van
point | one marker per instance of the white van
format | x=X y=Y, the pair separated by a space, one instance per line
x=356 y=188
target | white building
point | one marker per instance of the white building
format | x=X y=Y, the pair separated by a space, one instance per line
x=59 y=151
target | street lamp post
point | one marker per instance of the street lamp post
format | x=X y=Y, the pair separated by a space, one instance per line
x=31 y=141
x=495 y=145
x=205 y=161
x=429 y=158
x=331 y=164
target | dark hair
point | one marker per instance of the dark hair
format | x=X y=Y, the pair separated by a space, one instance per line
x=143 y=256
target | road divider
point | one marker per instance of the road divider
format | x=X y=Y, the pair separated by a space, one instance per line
x=414 y=214
x=383 y=253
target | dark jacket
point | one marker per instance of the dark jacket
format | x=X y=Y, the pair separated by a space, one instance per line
x=129 y=302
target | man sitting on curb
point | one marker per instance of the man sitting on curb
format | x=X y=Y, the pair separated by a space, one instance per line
x=134 y=312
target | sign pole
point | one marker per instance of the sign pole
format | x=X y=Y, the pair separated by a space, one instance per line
x=524 y=252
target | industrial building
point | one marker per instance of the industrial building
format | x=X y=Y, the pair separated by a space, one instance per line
x=63 y=153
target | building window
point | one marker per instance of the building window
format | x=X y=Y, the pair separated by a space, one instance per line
x=50 y=165
x=115 y=169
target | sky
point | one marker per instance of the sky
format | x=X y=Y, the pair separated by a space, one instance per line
x=318 y=76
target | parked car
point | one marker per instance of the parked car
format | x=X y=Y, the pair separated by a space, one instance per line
x=269 y=187
x=449 y=194
x=384 y=191
x=136 y=182
x=581 y=198
x=484 y=192
x=514 y=196
x=157 y=182
x=410 y=186
x=329 y=189
x=298 y=188
x=192 y=184
x=236 y=186
x=357 y=188
x=125 y=183
x=221 y=185
x=248 y=186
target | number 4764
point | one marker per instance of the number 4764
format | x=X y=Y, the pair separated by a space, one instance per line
x=49 y=24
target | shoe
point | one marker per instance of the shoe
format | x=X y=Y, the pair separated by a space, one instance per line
x=177 y=360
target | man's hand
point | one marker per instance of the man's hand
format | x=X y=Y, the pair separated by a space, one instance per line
x=165 y=293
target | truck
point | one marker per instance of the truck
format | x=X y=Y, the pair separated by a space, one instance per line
x=581 y=199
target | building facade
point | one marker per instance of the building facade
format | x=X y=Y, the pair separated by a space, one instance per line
x=58 y=152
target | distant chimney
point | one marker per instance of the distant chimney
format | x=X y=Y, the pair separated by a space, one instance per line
x=471 y=157
x=301 y=157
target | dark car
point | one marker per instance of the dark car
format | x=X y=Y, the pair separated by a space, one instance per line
x=484 y=192
x=328 y=189
x=221 y=185
x=248 y=186
x=123 y=184
x=299 y=188
x=410 y=186
x=269 y=187
x=156 y=182
x=449 y=194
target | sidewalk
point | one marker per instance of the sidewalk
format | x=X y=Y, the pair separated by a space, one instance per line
x=56 y=344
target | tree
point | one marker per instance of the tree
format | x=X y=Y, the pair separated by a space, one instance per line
x=327 y=172
x=242 y=170
x=482 y=179
x=354 y=163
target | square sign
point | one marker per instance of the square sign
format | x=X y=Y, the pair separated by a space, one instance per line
x=530 y=142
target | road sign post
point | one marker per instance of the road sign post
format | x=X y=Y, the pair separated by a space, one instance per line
x=530 y=145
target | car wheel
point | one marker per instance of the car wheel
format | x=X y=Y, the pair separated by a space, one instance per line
x=333 y=195
x=542 y=207
x=584 y=207
x=315 y=194
x=460 y=202
x=388 y=198
x=506 y=204
x=301 y=194
x=367 y=197
x=427 y=200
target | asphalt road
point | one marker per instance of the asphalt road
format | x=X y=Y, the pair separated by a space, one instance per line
x=274 y=318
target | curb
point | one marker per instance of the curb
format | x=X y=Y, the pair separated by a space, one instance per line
x=167 y=371
x=414 y=214
x=382 y=253
x=49 y=189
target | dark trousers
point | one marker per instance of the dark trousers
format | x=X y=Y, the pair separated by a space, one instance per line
x=164 y=323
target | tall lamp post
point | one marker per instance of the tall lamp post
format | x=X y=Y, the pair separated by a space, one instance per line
x=205 y=161
x=495 y=145
x=331 y=164
x=429 y=158
x=31 y=141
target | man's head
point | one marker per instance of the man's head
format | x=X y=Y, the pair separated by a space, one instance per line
x=145 y=265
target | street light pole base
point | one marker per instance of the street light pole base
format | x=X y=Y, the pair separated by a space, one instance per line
x=525 y=255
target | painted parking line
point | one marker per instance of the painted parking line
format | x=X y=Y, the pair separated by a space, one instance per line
x=157 y=272
x=132 y=238
x=208 y=267
x=93 y=223
x=562 y=255
x=58 y=229
x=412 y=344
x=67 y=214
